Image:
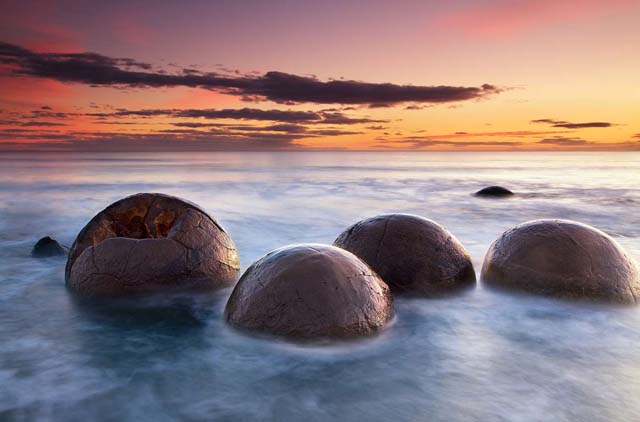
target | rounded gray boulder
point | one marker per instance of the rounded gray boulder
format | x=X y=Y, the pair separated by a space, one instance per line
x=411 y=254
x=310 y=291
x=565 y=259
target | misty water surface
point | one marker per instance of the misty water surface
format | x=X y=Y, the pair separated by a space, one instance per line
x=476 y=357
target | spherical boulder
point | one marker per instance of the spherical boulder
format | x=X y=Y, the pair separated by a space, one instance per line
x=310 y=291
x=494 y=191
x=150 y=242
x=562 y=258
x=411 y=254
x=47 y=247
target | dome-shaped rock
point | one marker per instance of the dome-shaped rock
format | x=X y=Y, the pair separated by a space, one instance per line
x=562 y=258
x=147 y=242
x=309 y=291
x=494 y=191
x=47 y=247
x=410 y=253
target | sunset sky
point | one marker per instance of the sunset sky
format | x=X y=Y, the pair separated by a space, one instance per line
x=358 y=75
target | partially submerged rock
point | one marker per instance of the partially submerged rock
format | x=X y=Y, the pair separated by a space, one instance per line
x=565 y=259
x=47 y=247
x=410 y=253
x=310 y=291
x=494 y=191
x=147 y=242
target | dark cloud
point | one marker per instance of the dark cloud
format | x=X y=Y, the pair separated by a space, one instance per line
x=416 y=143
x=250 y=114
x=583 y=125
x=288 y=128
x=510 y=134
x=37 y=123
x=103 y=122
x=570 y=125
x=274 y=115
x=169 y=140
x=333 y=132
x=283 y=87
x=30 y=123
x=238 y=114
x=196 y=124
x=46 y=114
x=98 y=70
x=546 y=121
x=581 y=144
x=416 y=107
x=342 y=119
x=285 y=128
x=219 y=137
x=560 y=140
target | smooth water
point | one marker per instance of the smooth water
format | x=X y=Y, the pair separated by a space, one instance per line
x=481 y=356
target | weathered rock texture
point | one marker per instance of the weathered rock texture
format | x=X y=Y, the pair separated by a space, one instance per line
x=410 y=253
x=310 y=291
x=47 y=247
x=564 y=259
x=494 y=191
x=147 y=242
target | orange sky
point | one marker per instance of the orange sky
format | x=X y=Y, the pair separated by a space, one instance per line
x=465 y=75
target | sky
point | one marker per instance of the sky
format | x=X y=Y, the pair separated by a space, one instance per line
x=308 y=75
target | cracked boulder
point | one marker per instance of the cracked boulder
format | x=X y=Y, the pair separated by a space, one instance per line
x=310 y=291
x=411 y=254
x=147 y=243
x=564 y=259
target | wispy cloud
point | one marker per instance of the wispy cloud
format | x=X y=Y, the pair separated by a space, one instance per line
x=274 y=115
x=418 y=143
x=182 y=138
x=570 y=125
x=560 y=140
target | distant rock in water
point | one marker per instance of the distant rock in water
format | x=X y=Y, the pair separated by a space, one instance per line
x=47 y=247
x=411 y=254
x=564 y=259
x=495 y=191
x=310 y=291
x=149 y=243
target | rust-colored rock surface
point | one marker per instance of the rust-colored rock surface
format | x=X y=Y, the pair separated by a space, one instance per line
x=411 y=254
x=565 y=259
x=310 y=291
x=147 y=242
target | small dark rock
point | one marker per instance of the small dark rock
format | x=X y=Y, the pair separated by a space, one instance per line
x=411 y=254
x=495 y=191
x=562 y=258
x=47 y=247
x=310 y=291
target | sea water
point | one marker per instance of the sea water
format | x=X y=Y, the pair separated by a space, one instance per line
x=479 y=356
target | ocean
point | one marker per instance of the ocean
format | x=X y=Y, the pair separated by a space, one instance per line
x=479 y=356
